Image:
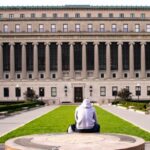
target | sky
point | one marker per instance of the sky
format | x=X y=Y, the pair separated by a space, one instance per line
x=74 y=2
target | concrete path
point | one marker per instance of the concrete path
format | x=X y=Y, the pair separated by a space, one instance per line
x=11 y=123
x=138 y=119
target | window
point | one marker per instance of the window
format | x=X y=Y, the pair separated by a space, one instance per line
x=114 y=91
x=125 y=28
x=132 y=15
x=43 y=15
x=88 y=15
x=54 y=15
x=6 y=92
x=138 y=91
x=103 y=91
x=53 y=76
x=77 y=27
x=41 y=28
x=17 y=28
x=148 y=75
x=100 y=15
x=41 y=92
x=18 y=91
x=30 y=76
x=65 y=27
x=18 y=76
x=90 y=27
x=1 y=16
x=121 y=15
x=114 y=27
x=77 y=15
x=5 y=28
x=142 y=15
x=137 y=28
x=11 y=16
x=102 y=75
x=53 y=27
x=66 y=15
x=148 y=90
x=114 y=75
x=32 y=15
x=125 y=75
x=41 y=76
x=6 y=76
x=137 y=75
x=53 y=92
x=148 y=27
x=22 y=15
x=29 y=28
x=111 y=15
x=102 y=28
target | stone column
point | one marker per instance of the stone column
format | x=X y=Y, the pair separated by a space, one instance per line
x=143 y=66
x=24 y=63
x=96 y=60
x=108 y=61
x=120 y=60
x=12 y=61
x=84 y=65
x=1 y=61
x=35 y=62
x=47 y=61
x=131 y=60
x=59 y=61
x=71 y=73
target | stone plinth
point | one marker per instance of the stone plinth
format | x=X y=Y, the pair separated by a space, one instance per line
x=75 y=141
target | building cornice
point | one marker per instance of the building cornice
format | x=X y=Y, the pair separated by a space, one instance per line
x=74 y=7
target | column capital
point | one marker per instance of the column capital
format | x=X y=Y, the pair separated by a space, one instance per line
x=59 y=43
x=35 y=43
x=71 y=43
x=11 y=43
x=107 y=42
x=131 y=42
x=23 y=43
x=96 y=42
x=83 y=43
x=47 y=43
x=143 y=43
x=120 y=43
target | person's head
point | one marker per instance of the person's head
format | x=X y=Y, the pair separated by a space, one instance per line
x=86 y=103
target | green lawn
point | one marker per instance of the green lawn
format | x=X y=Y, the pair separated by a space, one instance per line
x=59 y=120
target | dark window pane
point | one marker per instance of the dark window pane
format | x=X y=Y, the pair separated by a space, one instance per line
x=6 y=57
x=125 y=56
x=18 y=57
x=53 y=57
x=114 y=56
x=29 y=58
x=41 y=57
x=102 y=56
x=137 y=56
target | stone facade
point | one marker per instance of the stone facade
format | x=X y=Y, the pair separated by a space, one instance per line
x=121 y=30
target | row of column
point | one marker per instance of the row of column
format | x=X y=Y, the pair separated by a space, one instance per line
x=84 y=65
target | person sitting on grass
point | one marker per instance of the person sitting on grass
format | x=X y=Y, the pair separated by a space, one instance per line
x=85 y=118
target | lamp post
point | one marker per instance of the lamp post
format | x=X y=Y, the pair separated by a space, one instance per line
x=65 y=90
x=91 y=90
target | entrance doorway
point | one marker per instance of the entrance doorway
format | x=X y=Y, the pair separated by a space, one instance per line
x=78 y=94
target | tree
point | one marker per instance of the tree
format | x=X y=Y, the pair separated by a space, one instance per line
x=125 y=94
x=30 y=95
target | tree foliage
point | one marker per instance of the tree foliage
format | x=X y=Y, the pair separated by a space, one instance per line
x=125 y=94
x=30 y=95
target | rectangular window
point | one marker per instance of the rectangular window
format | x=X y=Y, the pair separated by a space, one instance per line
x=148 y=28
x=148 y=90
x=29 y=28
x=103 y=91
x=5 y=28
x=6 y=92
x=90 y=27
x=65 y=27
x=17 y=28
x=77 y=27
x=53 y=27
x=22 y=15
x=88 y=15
x=142 y=15
x=77 y=15
x=102 y=28
x=43 y=15
x=137 y=28
x=121 y=15
x=66 y=15
x=32 y=15
x=53 y=92
x=114 y=28
x=125 y=28
x=100 y=15
x=114 y=91
x=41 y=92
x=18 y=91
x=41 y=28
x=132 y=15
x=111 y=15
x=54 y=15
x=11 y=16
x=138 y=90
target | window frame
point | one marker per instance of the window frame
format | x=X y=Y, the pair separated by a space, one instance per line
x=90 y=27
x=29 y=27
x=41 y=27
x=102 y=27
x=53 y=28
x=65 y=27
x=125 y=28
x=53 y=91
x=102 y=91
x=17 y=27
x=6 y=92
x=5 y=28
x=77 y=27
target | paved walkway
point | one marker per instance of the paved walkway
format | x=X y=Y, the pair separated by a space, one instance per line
x=11 y=123
x=140 y=120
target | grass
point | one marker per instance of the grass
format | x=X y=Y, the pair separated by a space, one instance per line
x=59 y=120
